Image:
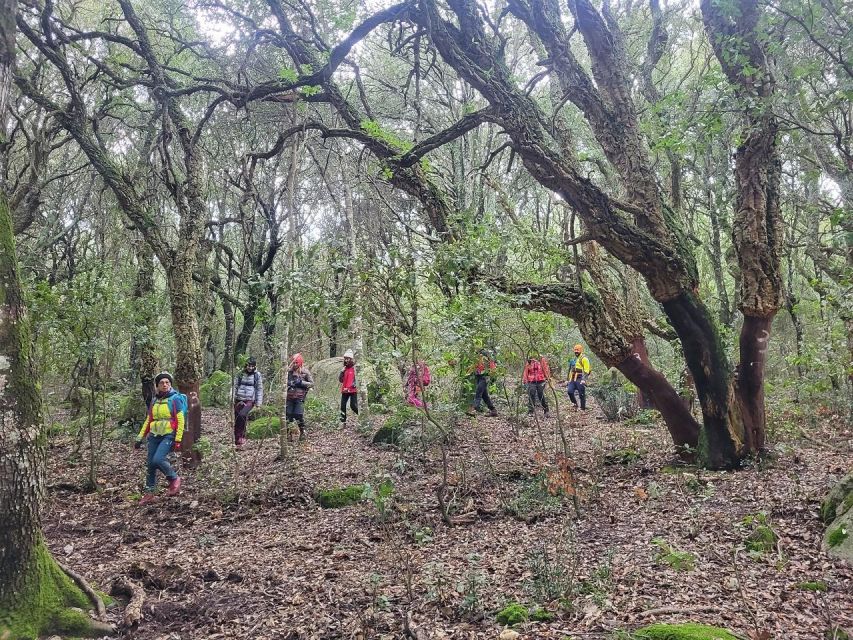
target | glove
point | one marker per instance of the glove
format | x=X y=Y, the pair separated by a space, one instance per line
x=138 y=443
x=176 y=446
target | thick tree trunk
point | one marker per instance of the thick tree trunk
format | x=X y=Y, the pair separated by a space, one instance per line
x=34 y=593
x=188 y=360
x=241 y=345
x=706 y=357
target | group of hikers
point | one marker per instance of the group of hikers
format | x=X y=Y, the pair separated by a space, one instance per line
x=166 y=418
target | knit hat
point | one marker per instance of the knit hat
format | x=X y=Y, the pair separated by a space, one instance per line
x=161 y=376
x=298 y=360
x=349 y=354
x=251 y=361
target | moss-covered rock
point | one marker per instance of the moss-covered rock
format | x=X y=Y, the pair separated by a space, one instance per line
x=48 y=603
x=340 y=496
x=837 y=510
x=512 y=614
x=266 y=427
x=388 y=434
x=839 y=500
x=686 y=631
x=216 y=390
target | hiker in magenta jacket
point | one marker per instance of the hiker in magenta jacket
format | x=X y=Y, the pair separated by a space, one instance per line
x=164 y=427
x=349 y=388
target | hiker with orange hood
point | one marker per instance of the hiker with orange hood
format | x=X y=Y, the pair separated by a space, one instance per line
x=578 y=375
x=299 y=381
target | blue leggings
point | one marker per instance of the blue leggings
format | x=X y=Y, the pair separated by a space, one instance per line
x=580 y=387
x=158 y=448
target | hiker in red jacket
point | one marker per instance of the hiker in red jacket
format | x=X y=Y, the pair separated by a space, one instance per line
x=349 y=388
x=536 y=374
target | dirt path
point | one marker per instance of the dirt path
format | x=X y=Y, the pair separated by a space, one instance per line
x=246 y=552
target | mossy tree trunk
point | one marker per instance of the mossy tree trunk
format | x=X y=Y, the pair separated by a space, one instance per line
x=35 y=595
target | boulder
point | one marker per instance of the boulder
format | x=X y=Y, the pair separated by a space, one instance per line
x=837 y=511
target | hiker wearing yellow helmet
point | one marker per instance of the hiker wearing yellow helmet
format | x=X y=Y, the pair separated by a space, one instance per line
x=578 y=375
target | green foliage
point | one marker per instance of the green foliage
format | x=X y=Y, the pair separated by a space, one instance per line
x=512 y=614
x=818 y=585
x=615 y=400
x=539 y=614
x=624 y=456
x=761 y=538
x=216 y=390
x=375 y=130
x=550 y=577
x=686 y=631
x=338 y=497
x=381 y=495
x=533 y=500
x=645 y=418
x=668 y=555
x=320 y=412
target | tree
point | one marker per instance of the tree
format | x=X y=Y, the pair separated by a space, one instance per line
x=35 y=594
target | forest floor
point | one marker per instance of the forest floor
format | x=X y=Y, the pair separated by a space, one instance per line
x=247 y=552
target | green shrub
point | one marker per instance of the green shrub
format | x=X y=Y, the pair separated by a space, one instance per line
x=818 y=585
x=216 y=390
x=669 y=555
x=624 y=456
x=837 y=536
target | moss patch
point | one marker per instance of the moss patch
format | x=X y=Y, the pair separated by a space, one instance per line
x=687 y=631
x=261 y=428
x=837 y=536
x=512 y=614
x=818 y=585
x=340 y=496
x=541 y=615
x=48 y=603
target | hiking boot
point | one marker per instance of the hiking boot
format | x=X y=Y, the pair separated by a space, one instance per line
x=302 y=435
x=471 y=412
x=546 y=414
x=493 y=413
x=174 y=487
x=148 y=498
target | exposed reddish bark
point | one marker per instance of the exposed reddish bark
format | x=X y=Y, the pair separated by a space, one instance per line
x=754 y=341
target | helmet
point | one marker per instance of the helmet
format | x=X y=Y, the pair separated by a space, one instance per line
x=578 y=348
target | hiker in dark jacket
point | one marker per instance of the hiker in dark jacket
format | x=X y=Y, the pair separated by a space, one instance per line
x=299 y=381
x=248 y=393
x=349 y=387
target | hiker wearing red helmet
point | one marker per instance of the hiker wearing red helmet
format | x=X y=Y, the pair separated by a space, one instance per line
x=299 y=381
x=248 y=393
x=578 y=375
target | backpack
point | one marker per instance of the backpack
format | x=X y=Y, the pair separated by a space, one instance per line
x=171 y=401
